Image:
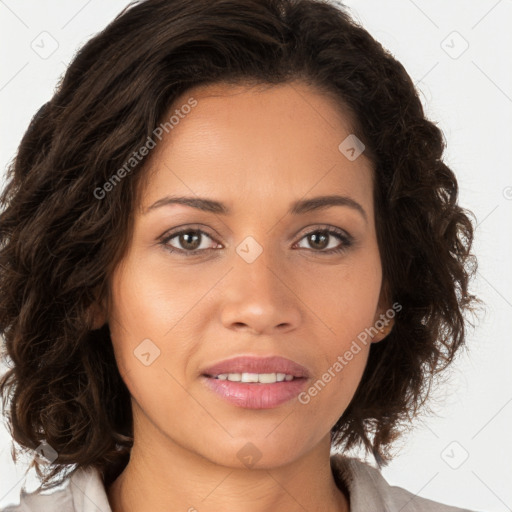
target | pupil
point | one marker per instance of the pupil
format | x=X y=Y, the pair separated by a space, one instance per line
x=186 y=243
x=315 y=238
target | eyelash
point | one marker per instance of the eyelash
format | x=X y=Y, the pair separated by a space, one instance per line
x=346 y=240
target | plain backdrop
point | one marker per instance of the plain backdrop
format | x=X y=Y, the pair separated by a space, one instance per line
x=459 y=54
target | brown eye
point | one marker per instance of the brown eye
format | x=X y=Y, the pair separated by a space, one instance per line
x=189 y=242
x=324 y=241
x=319 y=240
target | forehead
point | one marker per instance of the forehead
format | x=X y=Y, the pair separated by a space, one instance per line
x=259 y=143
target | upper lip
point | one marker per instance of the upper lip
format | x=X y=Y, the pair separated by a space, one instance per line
x=252 y=364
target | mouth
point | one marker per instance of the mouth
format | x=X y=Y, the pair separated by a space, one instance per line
x=255 y=382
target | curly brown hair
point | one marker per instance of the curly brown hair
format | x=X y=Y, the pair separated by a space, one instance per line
x=60 y=244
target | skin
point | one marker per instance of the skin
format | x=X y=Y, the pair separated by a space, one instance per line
x=257 y=150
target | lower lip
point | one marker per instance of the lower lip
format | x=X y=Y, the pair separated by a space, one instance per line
x=255 y=395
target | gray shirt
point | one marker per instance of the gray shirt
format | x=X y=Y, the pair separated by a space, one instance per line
x=368 y=490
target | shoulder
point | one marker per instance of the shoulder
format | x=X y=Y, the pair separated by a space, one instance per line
x=370 y=491
x=83 y=491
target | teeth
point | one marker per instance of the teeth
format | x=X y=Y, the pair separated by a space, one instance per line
x=263 y=378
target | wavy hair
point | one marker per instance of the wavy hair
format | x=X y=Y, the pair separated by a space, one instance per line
x=59 y=243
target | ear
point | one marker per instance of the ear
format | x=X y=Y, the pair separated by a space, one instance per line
x=96 y=313
x=383 y=321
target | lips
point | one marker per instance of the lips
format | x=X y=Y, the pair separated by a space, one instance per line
x=256 y=382
x=259 y=365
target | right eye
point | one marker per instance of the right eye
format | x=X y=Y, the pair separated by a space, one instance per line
x=190 y=240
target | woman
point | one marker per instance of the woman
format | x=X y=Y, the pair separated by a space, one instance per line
x=229 y=246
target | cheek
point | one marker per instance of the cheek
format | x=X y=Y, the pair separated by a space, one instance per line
x=153 y=327
x=331 y=391
x=150 y=299
x=343 y=298
x=346 y=302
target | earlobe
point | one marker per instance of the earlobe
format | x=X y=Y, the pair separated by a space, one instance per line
x=383 y=332
x=382 y=322
x=96 y=315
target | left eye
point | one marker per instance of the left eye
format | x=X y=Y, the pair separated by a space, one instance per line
x=191 y=241
x=322 y=236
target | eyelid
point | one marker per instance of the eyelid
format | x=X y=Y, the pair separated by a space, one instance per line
x=313 y=228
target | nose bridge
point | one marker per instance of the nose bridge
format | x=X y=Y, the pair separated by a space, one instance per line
x=258 y=295
x=256 y=266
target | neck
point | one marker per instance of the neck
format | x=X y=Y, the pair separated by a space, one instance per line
x=162 y=475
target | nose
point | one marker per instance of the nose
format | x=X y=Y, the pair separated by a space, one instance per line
x=259 y=297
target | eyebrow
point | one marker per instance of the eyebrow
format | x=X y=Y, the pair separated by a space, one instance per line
x=297 y=208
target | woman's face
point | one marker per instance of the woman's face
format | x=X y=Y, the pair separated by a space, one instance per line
x=260 y=279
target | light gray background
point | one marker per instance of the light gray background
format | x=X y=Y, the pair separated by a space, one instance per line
x=468 y=91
